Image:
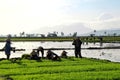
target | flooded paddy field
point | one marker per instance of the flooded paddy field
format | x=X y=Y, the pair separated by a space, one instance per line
x=108 y=54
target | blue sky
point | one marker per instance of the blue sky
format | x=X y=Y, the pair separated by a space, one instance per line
x=28 y=15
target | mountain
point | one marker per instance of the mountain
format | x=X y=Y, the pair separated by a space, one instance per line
x=105 y=32
x=66 y=29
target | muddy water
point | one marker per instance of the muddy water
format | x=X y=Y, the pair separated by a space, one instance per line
x=108 y=54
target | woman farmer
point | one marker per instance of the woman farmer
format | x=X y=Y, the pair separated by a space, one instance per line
x=8 y=48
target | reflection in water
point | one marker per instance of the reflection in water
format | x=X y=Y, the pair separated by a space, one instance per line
x=109 y=54
x=86 y=43
x=94 y=43
x=101 y=43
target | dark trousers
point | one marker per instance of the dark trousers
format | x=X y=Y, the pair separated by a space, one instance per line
x=78 y=52
x=42 y=52
x=35 y=57
x=8 y=56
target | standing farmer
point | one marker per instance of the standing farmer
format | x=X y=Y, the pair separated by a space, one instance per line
x=77 y=43
x=8 y=48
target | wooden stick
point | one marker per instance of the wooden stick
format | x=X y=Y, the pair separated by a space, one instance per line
x=89 y=48
x=14 y=50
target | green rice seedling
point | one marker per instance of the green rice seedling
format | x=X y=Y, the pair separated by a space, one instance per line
x=67 y=69
x=90 y=39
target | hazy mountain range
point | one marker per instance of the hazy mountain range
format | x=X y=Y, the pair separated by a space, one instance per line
x=107 y=32
x=80 y=28
x=66 y=29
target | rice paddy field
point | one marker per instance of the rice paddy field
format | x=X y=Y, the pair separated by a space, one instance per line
x=83 y=38
x=66 y=69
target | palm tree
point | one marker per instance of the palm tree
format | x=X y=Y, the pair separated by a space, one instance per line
x=105 y=33
x=94 y=32
x=62 y=34
x=114 y=34
x=74 y=34
x=22 y=34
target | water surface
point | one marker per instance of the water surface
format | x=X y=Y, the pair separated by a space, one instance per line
x=108 y=54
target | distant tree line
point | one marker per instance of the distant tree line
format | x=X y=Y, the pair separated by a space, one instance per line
x=50 y=34
x=104 y=34
x=55 y=34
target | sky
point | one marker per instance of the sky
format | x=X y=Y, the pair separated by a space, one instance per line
x=27 y=15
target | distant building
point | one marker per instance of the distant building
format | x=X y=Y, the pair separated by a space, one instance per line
x=52 y=35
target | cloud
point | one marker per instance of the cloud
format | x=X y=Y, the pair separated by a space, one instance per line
x=115 y=23
x=107 y=24
x=105 y=17
x=29 y=14
x=26 y=15
x=90 y=0
x=105 y=21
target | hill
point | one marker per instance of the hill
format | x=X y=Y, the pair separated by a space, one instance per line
x=66 y=29
x=108 y=32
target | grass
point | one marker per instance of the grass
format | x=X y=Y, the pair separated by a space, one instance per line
x=67 y=69
x=83 y=38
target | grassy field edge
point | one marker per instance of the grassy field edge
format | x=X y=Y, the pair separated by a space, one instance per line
x=67 y=69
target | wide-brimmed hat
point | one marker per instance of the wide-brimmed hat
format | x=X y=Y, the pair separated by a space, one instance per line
x=64 y=52
x=8 y=40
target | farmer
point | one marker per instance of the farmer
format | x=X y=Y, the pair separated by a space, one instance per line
x=101 y=40
x=41 y=49
x=8 y=48
x=52 y=56
x=64 y=54
x=77 y=43
x=34 y=55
